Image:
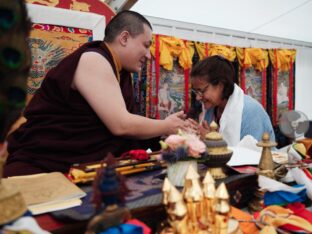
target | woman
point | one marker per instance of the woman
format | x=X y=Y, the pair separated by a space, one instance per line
x=224 y=102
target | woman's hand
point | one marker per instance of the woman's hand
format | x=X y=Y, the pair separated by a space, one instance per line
x=192 y=126
x=203 y=129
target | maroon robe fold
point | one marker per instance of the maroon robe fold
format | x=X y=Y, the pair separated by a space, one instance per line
x=62 y=128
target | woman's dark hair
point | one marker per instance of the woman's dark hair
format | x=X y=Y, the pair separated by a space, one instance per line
x=215 y=70
x=130 y=21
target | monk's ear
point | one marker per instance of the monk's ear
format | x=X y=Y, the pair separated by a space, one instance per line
x=124 y=37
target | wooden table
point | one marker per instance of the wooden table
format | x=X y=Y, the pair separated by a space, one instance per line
x=240 y=186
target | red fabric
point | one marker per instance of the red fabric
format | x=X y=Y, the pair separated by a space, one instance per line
x=291 y=88
x=186 y=90
x=275 y=75
x=307 y=173
x=146 y=229
x=299 y=210
x=136 y=154
x=243 y=79
x=264 y=89
x=150 y=89
x=48 y=223
x=157 y=72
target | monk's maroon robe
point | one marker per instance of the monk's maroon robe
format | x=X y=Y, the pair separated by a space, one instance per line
x=62 y=128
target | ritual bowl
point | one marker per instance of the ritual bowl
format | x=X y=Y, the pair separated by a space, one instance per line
x=216 y=164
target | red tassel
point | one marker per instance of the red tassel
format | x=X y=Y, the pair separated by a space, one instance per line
x=243 y=75
x=264 y=89
x=275 y=77
x=157 y=68
x=186 y=90
x=206 y=49
x=291 y=88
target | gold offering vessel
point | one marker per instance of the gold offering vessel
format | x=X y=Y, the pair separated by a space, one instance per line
x=265 y=168
x=218 y=153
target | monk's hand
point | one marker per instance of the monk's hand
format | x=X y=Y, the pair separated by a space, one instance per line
x=175 y=122
x=180 y=115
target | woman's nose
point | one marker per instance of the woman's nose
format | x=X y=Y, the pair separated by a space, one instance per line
x=198 y=97
x=148 y=54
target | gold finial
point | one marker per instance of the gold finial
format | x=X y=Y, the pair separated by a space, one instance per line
x=266 y=165
x=222 y=210
x=174 y=195
x=180 y=209
x=191 y=173
x=166 y=189
x=209 y=186
x=265 y=168
x=222 y=192
x=213 y=134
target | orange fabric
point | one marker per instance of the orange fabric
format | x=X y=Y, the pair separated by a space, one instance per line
x=201 y=49
x=246 y=227
x=256 y=57
x=282 y=58
x=308 y=145
x=171 y=47
x=227 y=52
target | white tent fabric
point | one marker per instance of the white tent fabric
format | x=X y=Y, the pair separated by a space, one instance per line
x=245 y=23
x=279 y=18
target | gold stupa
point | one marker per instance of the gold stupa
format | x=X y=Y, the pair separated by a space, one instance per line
x=218 y=153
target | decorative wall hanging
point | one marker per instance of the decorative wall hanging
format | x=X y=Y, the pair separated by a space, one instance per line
x=168 y=85
x=282 y=82
x=49 y=44
x=253 y=63
x=56 y=33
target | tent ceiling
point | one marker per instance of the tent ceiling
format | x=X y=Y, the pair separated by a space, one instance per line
x=278 y=18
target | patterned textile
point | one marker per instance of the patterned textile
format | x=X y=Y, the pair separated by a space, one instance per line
x=49 y=44
x=140 y=88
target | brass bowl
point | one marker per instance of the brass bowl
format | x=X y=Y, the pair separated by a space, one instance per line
x=218 y=160
x=216 y=164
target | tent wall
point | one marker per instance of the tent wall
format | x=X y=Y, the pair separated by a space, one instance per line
x=203 y=33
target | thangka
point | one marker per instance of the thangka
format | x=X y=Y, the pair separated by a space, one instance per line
x=253 y=82
x=253 y=63
x=49 y=44
x=282 y=82
x=167 y=94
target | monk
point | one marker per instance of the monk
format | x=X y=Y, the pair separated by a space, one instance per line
x=85 y=106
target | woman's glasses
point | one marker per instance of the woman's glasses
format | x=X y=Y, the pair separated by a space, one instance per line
x=200 y=92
